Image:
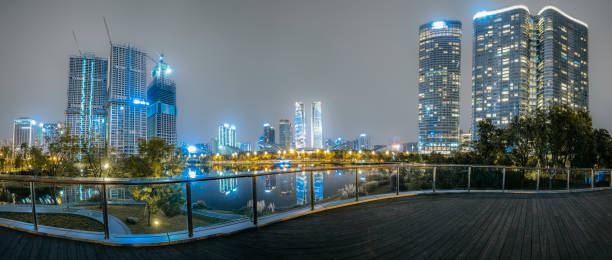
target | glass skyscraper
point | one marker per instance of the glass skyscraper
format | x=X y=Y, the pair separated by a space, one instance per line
x=269 y=134
x=23 y=132
x=161 y=95
x=439 y=80
x=86 y=107
x=127 y=104
x=523 y=62
x=227 y=136
x=299 y=132
x=316 y=126
x=284 y=134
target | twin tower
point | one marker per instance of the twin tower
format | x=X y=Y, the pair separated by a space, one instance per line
x=521 y=62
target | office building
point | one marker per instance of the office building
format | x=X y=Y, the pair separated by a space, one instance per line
x=268 y=134
x=227 y=136
x=363 y=142
x=86 y=106
x=284 y=134
x=299 y=132
x=316 y=126
x=50 y=133
x=23 y=132
x=439 y=75
x=161 y=95
x=126 y=103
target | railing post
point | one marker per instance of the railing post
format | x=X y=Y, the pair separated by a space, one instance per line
x=189 y=209
x=433 y=184
x=568 y=179
x=397 y=178
x=311 y=190
x=538 y=181
x=503 y=179
x=105 y=212
x=254 y=183
x=33 y=199
x=610 y=178
x=356 y=185
x=592 y=179
x=469 y=178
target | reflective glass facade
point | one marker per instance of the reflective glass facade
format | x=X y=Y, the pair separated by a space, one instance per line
x=439 y=81
x=316 y=126
x=299 y=132
x=161 y=95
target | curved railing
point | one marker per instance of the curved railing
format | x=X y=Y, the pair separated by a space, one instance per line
x=157 y=211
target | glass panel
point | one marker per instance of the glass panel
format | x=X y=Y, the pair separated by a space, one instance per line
x=553 y=180
x=220 y=201
x=15 y=203
x=451 y=178
x=580 y=179
x=146 y=209
x=69 y=206
x=281 y=193
x=333 y=186
x=520 y=179
x=374 y=181
x=486 y=179
x=415 y=179
x=602 y=178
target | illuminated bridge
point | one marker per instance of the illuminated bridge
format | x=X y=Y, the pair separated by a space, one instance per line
x=384 y=211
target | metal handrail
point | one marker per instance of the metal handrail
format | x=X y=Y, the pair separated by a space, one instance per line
x=395 y=167
x=185 y=179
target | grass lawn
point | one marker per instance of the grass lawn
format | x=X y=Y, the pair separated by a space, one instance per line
x=60 y=220
x=164 y=223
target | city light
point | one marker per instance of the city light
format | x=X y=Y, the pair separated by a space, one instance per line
x=106 y=166
x=438 y=25
x=191 y=149
x=140 y=102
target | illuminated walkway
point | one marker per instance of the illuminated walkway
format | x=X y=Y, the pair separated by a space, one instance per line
x=485 y=226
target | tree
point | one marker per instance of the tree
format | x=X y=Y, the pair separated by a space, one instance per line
x=156 y=158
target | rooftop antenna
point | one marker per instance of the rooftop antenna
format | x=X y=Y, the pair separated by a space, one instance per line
x=77 y=43
x=107 y=31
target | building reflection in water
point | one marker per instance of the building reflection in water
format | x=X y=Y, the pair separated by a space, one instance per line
x=301 y=187
x=227 y=186
x=270 y=183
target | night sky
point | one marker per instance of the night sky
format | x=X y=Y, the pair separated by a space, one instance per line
x=247 y=61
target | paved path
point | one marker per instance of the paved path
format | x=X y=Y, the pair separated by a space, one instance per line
x=115 y=225
x=464 y=226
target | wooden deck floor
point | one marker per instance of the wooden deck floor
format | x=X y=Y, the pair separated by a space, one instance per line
x=468 y=226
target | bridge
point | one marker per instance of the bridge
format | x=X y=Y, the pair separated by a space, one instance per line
x=475 y=222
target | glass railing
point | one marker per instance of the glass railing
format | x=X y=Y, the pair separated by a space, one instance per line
x=165 y=210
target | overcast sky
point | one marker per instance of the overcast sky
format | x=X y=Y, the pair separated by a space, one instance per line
x=247 y=61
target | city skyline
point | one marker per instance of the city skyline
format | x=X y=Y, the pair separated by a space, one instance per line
x=342 y=118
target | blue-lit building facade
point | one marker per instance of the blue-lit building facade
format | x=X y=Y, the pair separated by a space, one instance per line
x=161 y=95
x=284 y=134
x=269 y=134
x=439 y=75
x=86 y=103
x=24 y=129
x=50 y=132
x=299 y=131
x=127 y=99
x=524 y=62
x=316 y=126
x=226 y=136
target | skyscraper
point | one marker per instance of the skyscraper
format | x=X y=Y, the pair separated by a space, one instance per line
x=227 y=136
x=86 y=107
x=268 y=134
x=523 y=62
x=316 y=124
x=439 y=81
x=127 y=104
x=161 y=95
x=299 y=132
x=50 y=132
x=23 y=132
x=363 y=142
x=284 y=134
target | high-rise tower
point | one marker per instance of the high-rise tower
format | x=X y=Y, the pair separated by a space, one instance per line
x=127 y=104
x=316 y=126
x=523 y=62
x=439 y=82
x=284 y=134
x=86 y=107
x=161 y=95
x=299 y=132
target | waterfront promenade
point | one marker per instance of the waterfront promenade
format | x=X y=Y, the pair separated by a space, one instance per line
x=472 y=226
